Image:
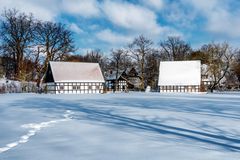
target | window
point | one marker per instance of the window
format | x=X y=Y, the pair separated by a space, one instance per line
x=61 y=87
x=97 y=87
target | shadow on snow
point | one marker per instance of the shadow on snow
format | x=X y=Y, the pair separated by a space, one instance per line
x=105 y=115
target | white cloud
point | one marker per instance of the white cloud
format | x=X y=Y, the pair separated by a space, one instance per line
x=220 y=19
x=131 y=19
x=155 y=4
x=203 y=5
x=94 y=26
x=113 y=38
x=178 y=15
x=130 y=16
x=38 y=7
x=75 y=28
x=224 y=22
x=84 y=8
x=49 y=9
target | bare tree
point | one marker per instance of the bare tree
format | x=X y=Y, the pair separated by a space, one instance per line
x=74 y=58
x=174 y=49
x=152 y=69
x=93 y=56
x=17 y=36
x=117 y=60
x=220 y=58
x=236 y=65
x=139 y=49
x=199 y=55
x=96 y=56
x=54 y=42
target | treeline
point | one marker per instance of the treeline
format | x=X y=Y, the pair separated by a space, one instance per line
x=29 y=44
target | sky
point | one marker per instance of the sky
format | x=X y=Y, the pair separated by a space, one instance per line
x=111 y=24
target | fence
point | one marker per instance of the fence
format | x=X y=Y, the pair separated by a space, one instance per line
x=9 y=86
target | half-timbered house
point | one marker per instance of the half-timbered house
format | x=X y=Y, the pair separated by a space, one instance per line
x=122 y=80
x=74 y=78
x=179 y=76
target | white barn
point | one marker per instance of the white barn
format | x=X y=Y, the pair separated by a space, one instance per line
x=179 y=76
x=74 y=78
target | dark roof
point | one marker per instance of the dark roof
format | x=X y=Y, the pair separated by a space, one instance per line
x=112 y=76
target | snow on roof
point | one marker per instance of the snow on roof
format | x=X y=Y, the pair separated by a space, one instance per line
x=179 y=73
x=76 y=72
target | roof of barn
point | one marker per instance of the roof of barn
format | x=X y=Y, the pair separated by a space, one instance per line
x=76 y=72
x=179 y=73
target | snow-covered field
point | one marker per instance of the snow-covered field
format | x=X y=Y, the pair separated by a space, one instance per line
x=125 y=126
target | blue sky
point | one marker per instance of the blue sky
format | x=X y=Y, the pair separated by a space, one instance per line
x=107 y=24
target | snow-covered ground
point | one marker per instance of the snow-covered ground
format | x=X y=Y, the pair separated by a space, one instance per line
x=129 y=126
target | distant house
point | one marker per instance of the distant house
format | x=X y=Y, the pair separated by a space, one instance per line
x=7 y=67
x=133 y=79
x=228 y=82
x=123 y=80
x=206 y=77
x=74 y=78
x=179 y=76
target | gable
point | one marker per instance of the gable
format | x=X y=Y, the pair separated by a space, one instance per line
x=49 y=75
x=132 y=72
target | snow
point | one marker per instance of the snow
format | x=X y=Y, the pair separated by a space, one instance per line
x=120 y=126
x=9 y=86
x=179 y=73
x=34 y=128
x=76 y=72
